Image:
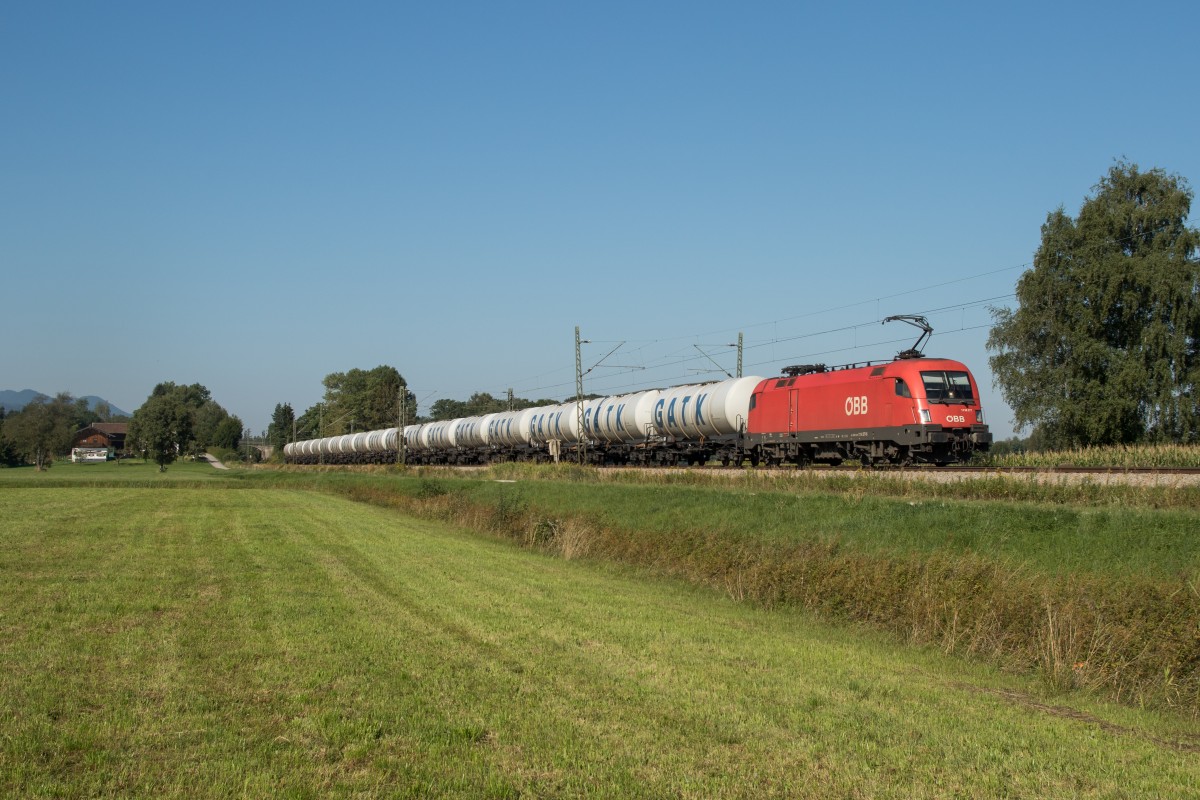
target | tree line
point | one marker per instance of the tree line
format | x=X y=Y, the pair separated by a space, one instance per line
x=43 y=428
x=362 y=400
x=175 y=420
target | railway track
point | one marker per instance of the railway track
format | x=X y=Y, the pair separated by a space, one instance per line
x=1146 y=476
x=1063 y=469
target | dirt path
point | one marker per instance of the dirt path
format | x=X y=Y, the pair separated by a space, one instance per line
x=210 y=458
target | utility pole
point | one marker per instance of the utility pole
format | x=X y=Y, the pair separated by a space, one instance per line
x=579 y=395
x=321 y=432
x=739 y=371
x=510 y=399
x=401 y=451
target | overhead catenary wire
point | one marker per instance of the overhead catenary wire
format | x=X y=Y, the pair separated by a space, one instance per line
x=531 y=381
x=679 y=360
x=843 y=307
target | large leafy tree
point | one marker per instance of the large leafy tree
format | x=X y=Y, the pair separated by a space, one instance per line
x=1103 y=347
x=163 y=427
x=363 y=399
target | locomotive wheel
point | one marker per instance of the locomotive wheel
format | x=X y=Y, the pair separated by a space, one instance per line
x=754 y=459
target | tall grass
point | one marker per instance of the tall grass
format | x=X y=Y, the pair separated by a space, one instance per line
x=1114 y=457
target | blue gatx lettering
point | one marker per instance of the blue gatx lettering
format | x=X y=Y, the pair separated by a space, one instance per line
x=700 y=409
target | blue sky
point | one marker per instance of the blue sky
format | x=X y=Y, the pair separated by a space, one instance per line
x=252 y=196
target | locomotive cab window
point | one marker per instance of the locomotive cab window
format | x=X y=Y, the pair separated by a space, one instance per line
x=902 y=388
x=947 y=387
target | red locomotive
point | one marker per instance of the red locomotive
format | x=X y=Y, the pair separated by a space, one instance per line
x=911 y=410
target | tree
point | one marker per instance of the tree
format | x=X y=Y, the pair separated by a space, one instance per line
x=162 y=427
x=364 y=399
x=308 y=424
x=279 y=432
x=81 y=413
x=41 y=429
x=8 y=453
x=227 y=434
x=1103 y=348
x=210 y=425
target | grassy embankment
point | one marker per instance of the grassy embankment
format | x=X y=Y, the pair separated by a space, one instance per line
x=205 y=638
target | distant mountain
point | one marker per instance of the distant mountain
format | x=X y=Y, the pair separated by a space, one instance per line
x=12 y=400
x=94 y=401
x=15 y=401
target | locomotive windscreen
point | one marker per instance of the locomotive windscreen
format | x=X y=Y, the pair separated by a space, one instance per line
x=947 y=386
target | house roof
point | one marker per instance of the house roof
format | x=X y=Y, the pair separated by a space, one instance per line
x=111 y=427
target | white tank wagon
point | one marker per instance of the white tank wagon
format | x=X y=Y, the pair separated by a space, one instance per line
x=551 y=423
x=623 y=418
x=510 y=428
x=706 y=410
x=381 y=441
x=469 y=432
x=412 y=437
x=437 y=435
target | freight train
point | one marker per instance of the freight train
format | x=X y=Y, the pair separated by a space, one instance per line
x=912 y=410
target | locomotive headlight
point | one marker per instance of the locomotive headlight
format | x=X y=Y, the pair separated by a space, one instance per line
x=979 y=416
x=926 y=417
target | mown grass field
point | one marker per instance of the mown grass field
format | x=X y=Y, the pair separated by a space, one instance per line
x=202 y=634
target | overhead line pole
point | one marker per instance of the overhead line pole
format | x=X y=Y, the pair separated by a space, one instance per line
x=579 y=394
x=401 y=449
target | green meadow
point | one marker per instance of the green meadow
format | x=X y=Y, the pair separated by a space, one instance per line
x=260 y=633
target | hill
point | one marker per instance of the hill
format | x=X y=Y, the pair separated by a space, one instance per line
x=12 y=400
